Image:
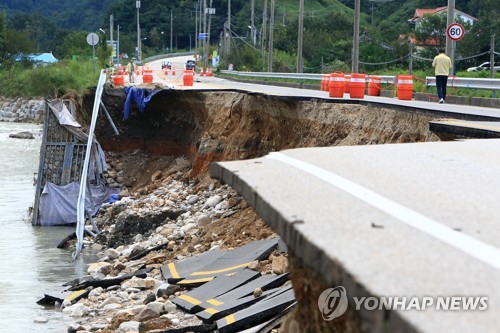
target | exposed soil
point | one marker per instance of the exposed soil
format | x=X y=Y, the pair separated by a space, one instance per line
x=204 y=127
x=225 y=125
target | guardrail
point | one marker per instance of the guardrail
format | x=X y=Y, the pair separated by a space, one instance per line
x=430 y=81
x=467 y=82
x=389 y=79
x=168 y=55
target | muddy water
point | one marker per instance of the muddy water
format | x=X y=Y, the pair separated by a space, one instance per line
x=30 y=263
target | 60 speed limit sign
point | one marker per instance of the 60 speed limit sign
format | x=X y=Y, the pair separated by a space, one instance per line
x=455 y=31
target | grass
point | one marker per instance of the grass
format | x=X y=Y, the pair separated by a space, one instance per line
x=51 y=81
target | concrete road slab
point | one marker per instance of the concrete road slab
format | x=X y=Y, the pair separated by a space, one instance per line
x=473 y=129
x=402 y=220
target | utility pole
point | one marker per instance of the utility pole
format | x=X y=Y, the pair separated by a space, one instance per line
x=195 y=27
x=263 y=34
x=492 y=61
x=208 y=34
x=138 y=6
x=449 y=43
x=205 y=31
x=283 y=16
x=355 y=47
x=271 y=39
x=228 y=45
x=200 y=43
x=300 y=65
x=171 y=29
x=111 y=24
x=411 y=57
x=118 y=46
x=252 y=22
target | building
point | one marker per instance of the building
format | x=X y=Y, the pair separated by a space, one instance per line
x=459 y=15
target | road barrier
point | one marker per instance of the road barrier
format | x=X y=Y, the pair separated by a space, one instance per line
x=374 y=85
x=467 y=82
x=357 y=85
x=460 y=82
x=405 y=87
x=324 y=82
x=188 y=77
x=347 y=83
x=147 y=76
x=118 y=80
x=336 y=85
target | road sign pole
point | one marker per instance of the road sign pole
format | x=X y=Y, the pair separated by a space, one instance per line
x=93 y=39
x=450 y=19
x=93 y=56
x=454 y=33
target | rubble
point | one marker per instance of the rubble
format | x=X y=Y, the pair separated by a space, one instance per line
x=21 y=109
x=178 y=218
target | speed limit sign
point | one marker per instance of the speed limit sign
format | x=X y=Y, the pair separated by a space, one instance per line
x=455 y=31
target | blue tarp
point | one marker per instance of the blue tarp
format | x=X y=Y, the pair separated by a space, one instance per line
x=139 y=96
x=44 y=57
x=58 y=203
x=40 y=57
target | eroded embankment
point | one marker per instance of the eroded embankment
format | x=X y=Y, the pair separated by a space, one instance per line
x=223 y=125
x=214 y=126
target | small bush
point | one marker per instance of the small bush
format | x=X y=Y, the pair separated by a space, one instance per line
x=51 y=81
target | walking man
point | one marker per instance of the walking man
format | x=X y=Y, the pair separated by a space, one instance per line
x=442 y=65
x=130 y=70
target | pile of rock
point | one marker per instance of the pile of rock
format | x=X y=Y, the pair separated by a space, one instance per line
x=171 y=217
x=21 y=109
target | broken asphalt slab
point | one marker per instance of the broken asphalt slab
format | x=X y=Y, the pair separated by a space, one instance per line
x=192 y=273
x=206 y=293
x=257 y=313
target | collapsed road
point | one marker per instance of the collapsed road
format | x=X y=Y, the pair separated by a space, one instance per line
x=161 y=159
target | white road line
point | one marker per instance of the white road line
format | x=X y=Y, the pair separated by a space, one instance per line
x=476 y=248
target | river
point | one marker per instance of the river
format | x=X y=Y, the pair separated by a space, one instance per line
x=30 y=263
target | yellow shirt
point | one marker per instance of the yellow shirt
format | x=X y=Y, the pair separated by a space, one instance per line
x=441 y=64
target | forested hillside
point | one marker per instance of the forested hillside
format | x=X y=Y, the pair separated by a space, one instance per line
x=61 y=25
x=68 y=14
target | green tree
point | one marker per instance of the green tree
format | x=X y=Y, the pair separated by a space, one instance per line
x=18 y=42
x=432 y=31
x=3 y=32
x=75 y=43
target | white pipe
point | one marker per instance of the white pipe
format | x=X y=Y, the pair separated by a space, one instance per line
x=80 y=206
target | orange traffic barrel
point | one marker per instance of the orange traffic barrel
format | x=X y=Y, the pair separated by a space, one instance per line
x=188 y=77
x=173 y=70
x=374 y=85
x=147 y=78
x=118 y=80
x=324 y=82
x=347 y=83
x=209 y=72
x=336 y=85
x=357 y=85
x=405 y=87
